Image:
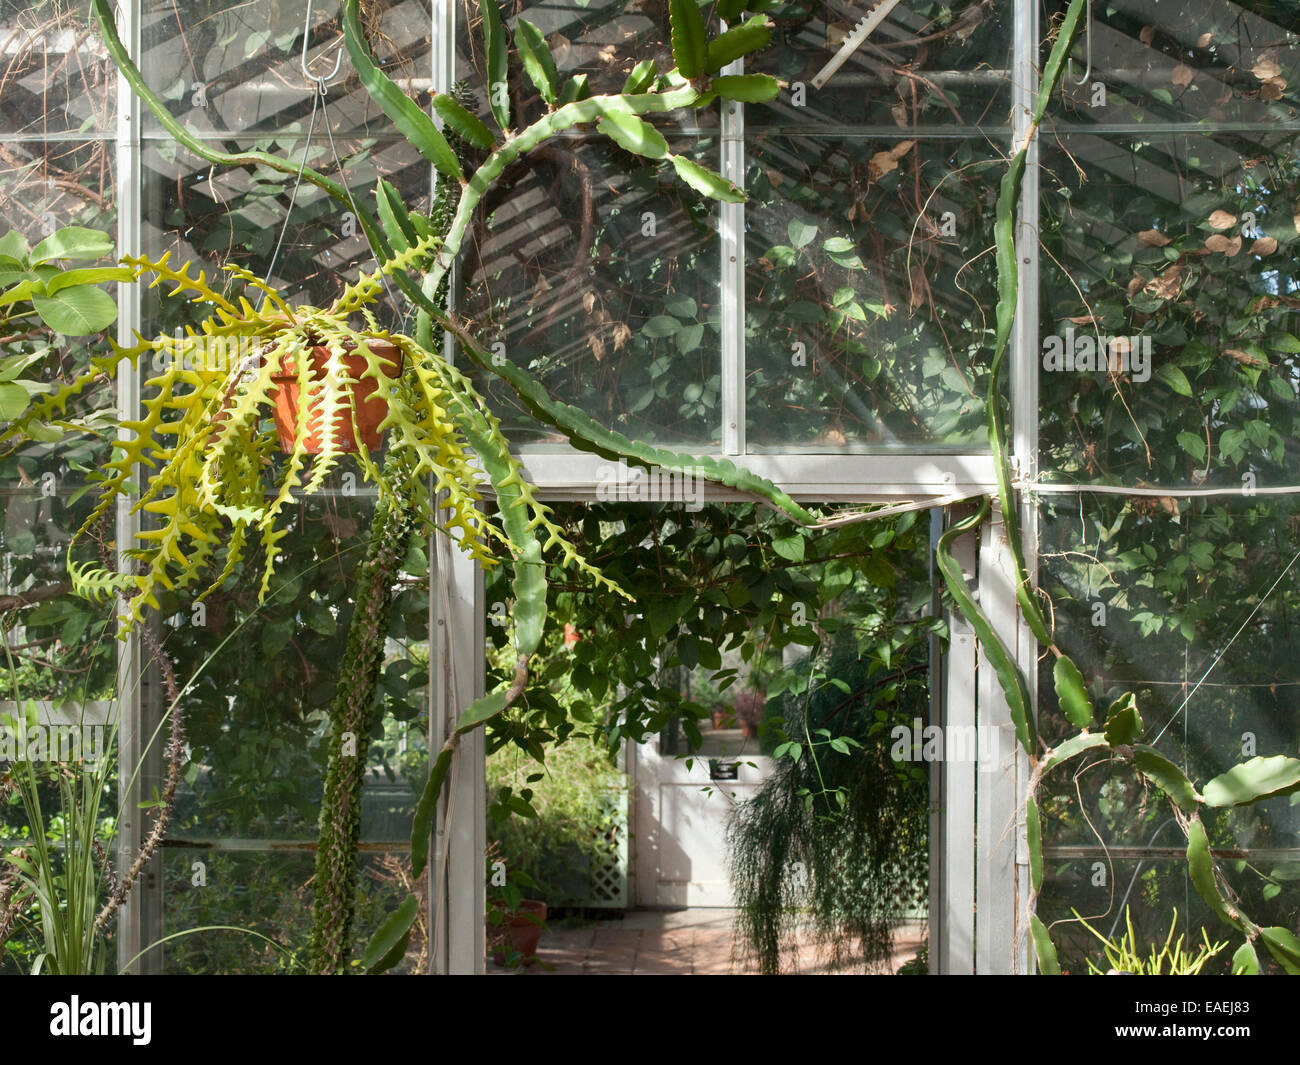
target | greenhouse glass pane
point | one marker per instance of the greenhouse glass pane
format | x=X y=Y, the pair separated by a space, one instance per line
x=1174 y=254
x=869 y=302
x=1190 y=605
x=267 y=892
x=56 y=75
x=1156 y=62
x=597 y=270
x=236 y=67
x=218 y=215
x=926 y=64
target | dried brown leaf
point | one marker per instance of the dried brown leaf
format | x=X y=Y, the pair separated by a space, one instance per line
x=1183 y=74
x=1264 y=246
x=1222 y=220
x=1152 y=238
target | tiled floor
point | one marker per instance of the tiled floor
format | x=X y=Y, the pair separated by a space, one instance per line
x=670 y=943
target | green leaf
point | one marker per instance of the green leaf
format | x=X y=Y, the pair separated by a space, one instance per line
x=689 y=48
x=13 y=401
x=789 y=547
x=481 y=709
x=801 y=233
x=633 y=135
x=641 y=78
x=661 y=325
x=1284 y=947
x=72 y=242
x=494 y=42
x=536 y=57
x=1259 y=778
x=1072 y=693
x=1075 y=745
x=1201 y=867
x=703 y=180
x=1043 y=947
x=574 y=89
x=388 y=945
x=1244 y=961
x=753 y=34
x=402 y=111
x=1123 y=722
x=393 y=216
x=467 y=124
x=95 y=275
x=1167 y=776
x=14 y=245
x=1174 y=378
x=747 y=88
x=838 y=245
x=77 y=312
x=422 y=822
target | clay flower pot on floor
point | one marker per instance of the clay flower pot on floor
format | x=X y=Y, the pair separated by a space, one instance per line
x=369 y=413
x=521 y=929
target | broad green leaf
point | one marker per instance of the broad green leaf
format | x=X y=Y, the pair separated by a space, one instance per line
x=1167 y=776
x=1259 y=778
x=73 y=242
x=1072 y=693
x=463 y=122
x=537 y=60
x=689 y=48
x=801 y=233
x=838 y=245
x=633 y=135
x=14 y=245
x=94 y=275
x=494 y=43
x=1172 y=376
x=77 y=312
x=422 y=822
x=789 y=547
x=13 y=401
x=706 y=181
x=1123 y=722
x=11 y=271
x=388 y=945
x=747 y=88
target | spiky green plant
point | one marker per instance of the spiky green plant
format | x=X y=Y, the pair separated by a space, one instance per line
x=1172 y=959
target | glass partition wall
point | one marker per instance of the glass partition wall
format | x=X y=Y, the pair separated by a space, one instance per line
x=833 y=333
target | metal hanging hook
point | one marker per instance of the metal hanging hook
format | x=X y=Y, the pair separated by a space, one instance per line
x=338 y=59
x=1087 y=33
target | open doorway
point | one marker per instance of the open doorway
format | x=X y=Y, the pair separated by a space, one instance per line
x=750 y=805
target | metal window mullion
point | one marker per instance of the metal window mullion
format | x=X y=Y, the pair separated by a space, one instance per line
x=1024 y=414
x=731 y=234
x=132 y=738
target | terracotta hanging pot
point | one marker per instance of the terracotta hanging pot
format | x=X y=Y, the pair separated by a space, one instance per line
x=369 y=413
